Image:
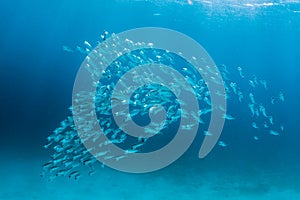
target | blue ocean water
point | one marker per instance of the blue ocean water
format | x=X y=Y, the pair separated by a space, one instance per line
x=37 y=79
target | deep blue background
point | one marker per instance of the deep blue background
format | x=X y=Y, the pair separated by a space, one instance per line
x=36 y=75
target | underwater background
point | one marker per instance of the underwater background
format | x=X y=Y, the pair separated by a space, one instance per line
x=37 y=77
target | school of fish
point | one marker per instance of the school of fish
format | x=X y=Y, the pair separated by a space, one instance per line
x=68 y=154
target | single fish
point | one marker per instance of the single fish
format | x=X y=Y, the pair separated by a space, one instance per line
x=281 y=97
x=271 y=120
x=263 y=110
x=251 y=83
x=251 y=96
x=67 y=49
x=266 y=125
x=222 y=144
x=251 y=107
x=120 y=157
x=274 y=133
x=228 y=117
x=254 y=125
x=74 y=174
x=241 y=96
x=206 y=100
x=240 y=70
x=137 y=146
x=273 y=100
x=46 y=146
x=91 y=173
x=63 y=172
x=87 y=44
x=130 y=151
x=264 y=83
x=207 y=133
x=82 y=50
x=281 y=127
x=234 y=87
x=205 y=111
x=187 y=127
x=255 y=80
x=48 y=164
x=53 y=168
